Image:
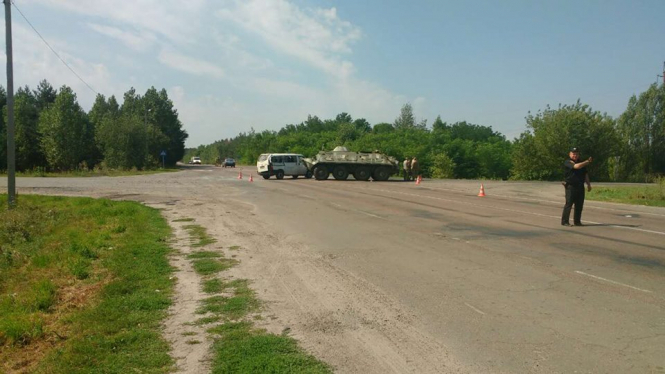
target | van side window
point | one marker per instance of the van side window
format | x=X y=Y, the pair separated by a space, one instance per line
x=290 y=159
x=277 y=159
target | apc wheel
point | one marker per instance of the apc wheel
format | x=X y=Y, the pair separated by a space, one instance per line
x=381 y=174
x=321 y=173
x=308 y=175
x=362 y=174
x=294 y=176
x=340 y=173
x=266 y=176
x=280 y=174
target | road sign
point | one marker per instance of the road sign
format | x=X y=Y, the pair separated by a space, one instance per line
x=163 y=154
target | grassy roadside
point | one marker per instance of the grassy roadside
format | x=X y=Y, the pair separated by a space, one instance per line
x=38 y=173
x=84 y=285
x=238 y=346
x=652 y=195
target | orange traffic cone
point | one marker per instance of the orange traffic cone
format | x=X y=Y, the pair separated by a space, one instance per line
x=250 y=178
x=482 y=191
x=240 y=175
x=418 y=180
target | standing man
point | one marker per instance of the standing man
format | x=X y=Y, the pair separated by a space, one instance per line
x=415 y=168
x=407 y=169
x=575 y=176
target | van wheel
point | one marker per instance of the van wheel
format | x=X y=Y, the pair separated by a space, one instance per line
x=321 y=172
x=266 y=176
x=280 y=174
x=294 y=176
x=362 y=174
x=308 y=175
x=381 y=174
x=340 y=173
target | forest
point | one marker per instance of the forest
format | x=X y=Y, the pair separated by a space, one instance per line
x=629 y=148
x=53 y=132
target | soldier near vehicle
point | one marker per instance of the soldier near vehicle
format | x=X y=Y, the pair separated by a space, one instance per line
x=407 y=169
x=415 y=168
x=576 y=175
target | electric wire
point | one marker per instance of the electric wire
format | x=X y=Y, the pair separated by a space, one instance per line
x=51 y=48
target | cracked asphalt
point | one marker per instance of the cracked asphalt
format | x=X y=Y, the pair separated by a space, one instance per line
x=495 y=281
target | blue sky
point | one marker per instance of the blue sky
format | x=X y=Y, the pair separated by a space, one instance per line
x=230 y=65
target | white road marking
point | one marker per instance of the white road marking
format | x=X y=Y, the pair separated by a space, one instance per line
x=555 y=202
x=357 y=211
x=369 y=214
x=611 y=281
x=475 y=309
x=524 y=212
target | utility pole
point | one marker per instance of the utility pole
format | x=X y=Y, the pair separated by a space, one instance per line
x=11 y=147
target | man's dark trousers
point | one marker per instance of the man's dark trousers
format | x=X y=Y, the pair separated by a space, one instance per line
x=574 y=195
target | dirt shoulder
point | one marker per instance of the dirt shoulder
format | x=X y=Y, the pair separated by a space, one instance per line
x=335 y=315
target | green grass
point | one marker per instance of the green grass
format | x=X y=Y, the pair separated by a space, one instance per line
x=239 y=348
x=203 y=254
x=207 y=320
x=199 y=234
x=184 y=220
x=84 y=286
x=234 y=247
x=652 y=195
x=209 y=266
x=213 y=285
x=41 y=173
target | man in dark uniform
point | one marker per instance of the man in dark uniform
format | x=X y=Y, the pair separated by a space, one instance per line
x=575 y=177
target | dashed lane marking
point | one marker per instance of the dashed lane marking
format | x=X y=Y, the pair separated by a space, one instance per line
x=521 y=211
x=475 y=309
x=611 y=281
x=369 y=214
x=555 y=202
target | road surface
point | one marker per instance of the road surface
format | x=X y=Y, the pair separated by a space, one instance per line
x=376 y=277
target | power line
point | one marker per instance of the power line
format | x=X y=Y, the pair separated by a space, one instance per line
x=51 y=48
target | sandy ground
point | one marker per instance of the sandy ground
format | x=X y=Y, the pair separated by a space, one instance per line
x=390 y=277
x=190 y=358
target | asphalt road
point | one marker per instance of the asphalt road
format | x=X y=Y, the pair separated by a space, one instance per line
x=496 y=280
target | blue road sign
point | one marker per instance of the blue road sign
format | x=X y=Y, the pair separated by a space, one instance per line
x=163 y=153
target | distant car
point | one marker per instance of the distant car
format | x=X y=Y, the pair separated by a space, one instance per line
x=196 y=160
x=229 y=163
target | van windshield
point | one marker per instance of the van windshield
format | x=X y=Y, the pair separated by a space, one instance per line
x=263 y=157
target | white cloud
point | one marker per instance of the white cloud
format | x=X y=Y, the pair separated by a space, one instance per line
x=189 y=64
x=173 y=19
x=137 y=42
x=33 y=61
x=257 y=92
x=316 y=36
x=234 y=54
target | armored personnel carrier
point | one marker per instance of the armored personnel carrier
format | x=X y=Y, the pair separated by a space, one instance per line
x=362 y=165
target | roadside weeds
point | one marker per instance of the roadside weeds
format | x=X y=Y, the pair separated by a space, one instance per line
x=228 y=313
x=652 y=195
x=84 y=284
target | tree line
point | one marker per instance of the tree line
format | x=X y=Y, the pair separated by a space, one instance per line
x=629 y=148
x=53 y=132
